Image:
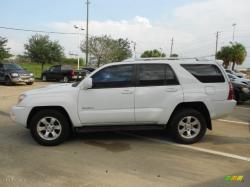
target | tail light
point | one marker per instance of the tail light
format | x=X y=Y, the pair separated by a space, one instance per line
x=231 y=92
x=72 y=73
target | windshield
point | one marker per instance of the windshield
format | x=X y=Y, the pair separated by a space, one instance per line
x=12 y=67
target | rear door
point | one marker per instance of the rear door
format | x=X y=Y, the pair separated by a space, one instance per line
x=157 y=93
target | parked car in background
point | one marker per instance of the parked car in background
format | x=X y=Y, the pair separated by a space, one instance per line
x=11 y=73
x=63 y=73
x=83 y=72
x=241 y=91
x=234 y=78
x=238 y=74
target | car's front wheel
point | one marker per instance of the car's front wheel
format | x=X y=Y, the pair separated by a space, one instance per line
x=8 y=81
x=188 y=126
x=49 y=127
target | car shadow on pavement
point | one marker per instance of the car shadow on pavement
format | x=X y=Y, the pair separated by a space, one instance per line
x=4 y=113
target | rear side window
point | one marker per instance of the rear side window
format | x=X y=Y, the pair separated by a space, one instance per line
x=206 y=73
x=156 y=75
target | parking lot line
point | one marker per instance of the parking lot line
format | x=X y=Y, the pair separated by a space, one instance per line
x=219 y=153
x=230 y=121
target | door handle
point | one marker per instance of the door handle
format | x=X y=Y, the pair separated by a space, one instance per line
x=127 y=92
x=171 y=90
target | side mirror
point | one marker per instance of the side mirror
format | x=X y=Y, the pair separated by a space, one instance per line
x=87 y=83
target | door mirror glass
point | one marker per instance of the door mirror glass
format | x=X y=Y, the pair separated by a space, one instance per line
x=87 y=83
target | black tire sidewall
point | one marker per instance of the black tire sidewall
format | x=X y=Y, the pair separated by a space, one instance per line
x=8 y=81
x=180 y=115
x=49 y=113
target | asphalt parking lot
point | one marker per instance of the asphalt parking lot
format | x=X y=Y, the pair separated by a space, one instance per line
x=124 y=158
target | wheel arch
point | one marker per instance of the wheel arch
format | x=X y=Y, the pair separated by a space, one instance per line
x=199 y=106
x=39 y=108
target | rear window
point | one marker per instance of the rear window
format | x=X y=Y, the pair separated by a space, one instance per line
x=206 y=73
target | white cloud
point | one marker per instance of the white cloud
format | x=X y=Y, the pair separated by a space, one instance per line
x=192 y=25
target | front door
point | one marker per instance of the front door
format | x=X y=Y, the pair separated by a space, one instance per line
x=111 y=99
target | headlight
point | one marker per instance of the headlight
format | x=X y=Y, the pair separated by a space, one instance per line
x=21 y=98
x=31 y=74
x=14 y=75
x=244 y=89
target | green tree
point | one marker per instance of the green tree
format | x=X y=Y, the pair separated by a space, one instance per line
x=152 y=53
x=105 y=49
x=4 y=51
x=40 y=49
x=235 y=53
x=239 y=54
x=225 y=54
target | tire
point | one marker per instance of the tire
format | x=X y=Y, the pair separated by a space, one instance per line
x=65 y=79
x=188 y=126
x=8 y=81
x=52 y=135
x=29 y=83
x=44 y=78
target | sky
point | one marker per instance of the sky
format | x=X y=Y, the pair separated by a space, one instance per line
x=151 y=24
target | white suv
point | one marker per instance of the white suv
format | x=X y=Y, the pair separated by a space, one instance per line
x=184 y=95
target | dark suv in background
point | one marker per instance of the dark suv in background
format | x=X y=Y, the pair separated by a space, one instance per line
x=11 y=73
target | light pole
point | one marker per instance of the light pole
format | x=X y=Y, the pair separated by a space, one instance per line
x=78 y=47
x=87 y=34
x=234 y=27
x=134 y=48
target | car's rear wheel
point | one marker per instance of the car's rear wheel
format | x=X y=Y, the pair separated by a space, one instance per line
x=44 y=78
x=49 y=127
x=188 y=126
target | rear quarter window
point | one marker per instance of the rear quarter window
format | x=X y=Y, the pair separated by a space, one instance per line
x=205 y=73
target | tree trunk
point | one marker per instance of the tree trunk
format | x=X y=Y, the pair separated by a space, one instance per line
x=233 y=66
x=42 y=66
x=98 y=62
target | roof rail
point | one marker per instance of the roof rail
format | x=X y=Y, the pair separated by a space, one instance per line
x=160 y=58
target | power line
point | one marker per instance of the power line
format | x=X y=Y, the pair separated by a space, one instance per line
x=37 y=31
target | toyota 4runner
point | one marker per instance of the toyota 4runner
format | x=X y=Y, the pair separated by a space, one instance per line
x=182 y=94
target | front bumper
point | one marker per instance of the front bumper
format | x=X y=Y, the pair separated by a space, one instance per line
x=20 y=114
x=22 y=79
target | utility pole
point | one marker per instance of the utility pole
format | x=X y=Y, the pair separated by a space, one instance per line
x=87 y=34
x=217 y=40
x=134 y=43
x=234 y=27
x=172 y=44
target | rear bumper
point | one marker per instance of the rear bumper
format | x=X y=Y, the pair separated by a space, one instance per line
x=222 y=108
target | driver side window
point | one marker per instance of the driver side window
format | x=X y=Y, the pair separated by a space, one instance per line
x=114 y=77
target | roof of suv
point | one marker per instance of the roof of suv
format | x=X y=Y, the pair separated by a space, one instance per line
x=165 y=60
